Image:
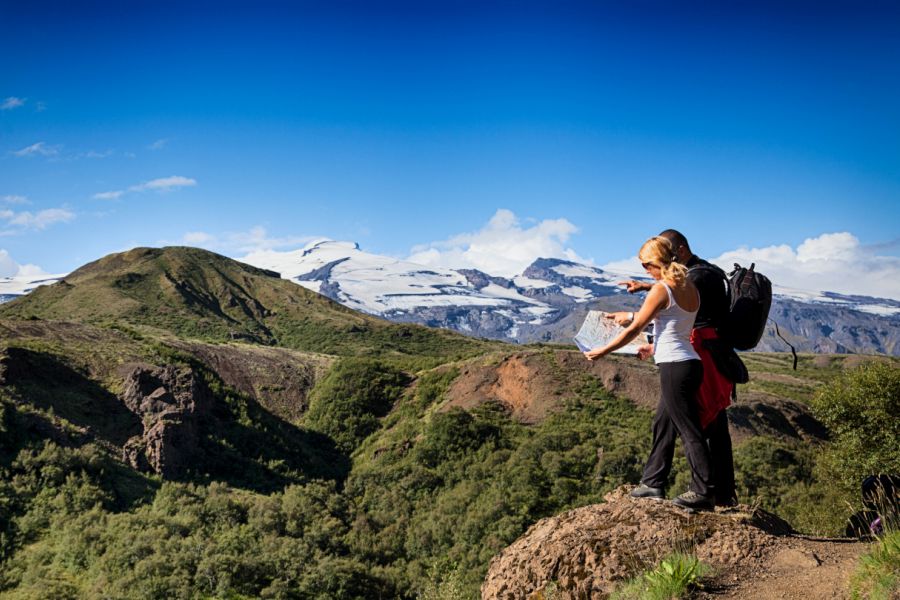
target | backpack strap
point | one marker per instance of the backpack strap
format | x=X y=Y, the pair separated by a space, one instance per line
x=793 y=351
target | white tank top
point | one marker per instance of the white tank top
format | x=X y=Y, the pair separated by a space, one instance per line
x=672 y=333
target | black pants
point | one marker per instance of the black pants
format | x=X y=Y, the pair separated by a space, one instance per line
x=719 y=442
x=677 y=415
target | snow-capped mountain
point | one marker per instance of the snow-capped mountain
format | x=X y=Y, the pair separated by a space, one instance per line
x=464 y=299
x=549 y=299
x=17 y=285
x=546 y=302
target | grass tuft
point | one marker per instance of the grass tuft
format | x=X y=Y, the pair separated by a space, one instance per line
x=673 y=578
x=877 y=576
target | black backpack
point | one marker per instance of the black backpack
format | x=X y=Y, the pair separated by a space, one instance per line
x=751 y=299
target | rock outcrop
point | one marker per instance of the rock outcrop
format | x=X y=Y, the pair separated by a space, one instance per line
x=170 y=401
x=583 y=553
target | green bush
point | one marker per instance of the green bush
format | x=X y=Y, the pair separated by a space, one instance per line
x=784 y=477
x=451 y=435
x=877 y=576
x=197 y=541
x=860 y=409
x=446 y=584
x=348 y=402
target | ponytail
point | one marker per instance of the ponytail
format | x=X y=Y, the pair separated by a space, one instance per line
x=659 y=251
x=675 y=272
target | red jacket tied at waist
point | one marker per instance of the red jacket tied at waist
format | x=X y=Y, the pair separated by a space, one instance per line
x=714 y=394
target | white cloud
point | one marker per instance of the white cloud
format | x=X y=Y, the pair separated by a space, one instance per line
x=10 y=268
x=833 y=262
x=38 y=149
x=235 y=243
x=40 y=220
x=158 y=144
x=14 y=199
x=108 y=195
x=163 y=184
x=502 y=247
x=198 y=238
x=257 y=238
x=96 y=154
x=11 y=103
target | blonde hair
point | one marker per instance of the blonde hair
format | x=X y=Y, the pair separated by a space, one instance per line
x=660 y=252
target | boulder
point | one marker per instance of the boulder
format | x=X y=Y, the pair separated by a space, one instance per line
x=583 y=553
x=170 y=401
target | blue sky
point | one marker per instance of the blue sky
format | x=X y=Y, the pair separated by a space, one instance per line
x=407 y=126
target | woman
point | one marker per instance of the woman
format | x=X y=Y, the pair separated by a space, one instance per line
x=672 y=305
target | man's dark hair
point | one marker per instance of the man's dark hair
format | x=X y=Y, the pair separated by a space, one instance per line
x=677 y=239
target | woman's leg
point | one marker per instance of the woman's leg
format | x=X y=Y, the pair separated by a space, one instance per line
x=656 y=471
x=680 y=381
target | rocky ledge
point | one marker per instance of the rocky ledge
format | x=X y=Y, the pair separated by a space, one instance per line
x=169 y=401
x=584 y=553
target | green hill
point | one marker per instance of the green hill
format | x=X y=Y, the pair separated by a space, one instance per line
x=175 y=424
x=198 y=294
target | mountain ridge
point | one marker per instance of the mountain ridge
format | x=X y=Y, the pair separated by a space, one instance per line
x=548 y=300
x=545 y=303
x=195 y=293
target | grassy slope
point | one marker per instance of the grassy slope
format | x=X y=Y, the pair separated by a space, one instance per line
x=198 y=294
x=428 y=494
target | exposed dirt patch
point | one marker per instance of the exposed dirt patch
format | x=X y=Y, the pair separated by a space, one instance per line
x=58 y=331
x=822 y=361
x=535 y=384
x=781 y=378
x=525 y=383
x=757 y=413
x=855 y=360
x=624 y=376
x=798 y=568
x=586 y=552
x=278 y=378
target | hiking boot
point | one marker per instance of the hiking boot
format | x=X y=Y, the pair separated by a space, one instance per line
x=645 y=491
x=729 y=502
x=692 y=501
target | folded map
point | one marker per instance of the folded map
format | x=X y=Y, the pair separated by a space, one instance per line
x=597 y=331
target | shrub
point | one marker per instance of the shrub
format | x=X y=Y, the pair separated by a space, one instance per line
x=348 y=402
x=877 y=576
x=445 y=585
x=451 y=435
x=860 y=409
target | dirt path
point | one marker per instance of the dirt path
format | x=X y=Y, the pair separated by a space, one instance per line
x=799 y=568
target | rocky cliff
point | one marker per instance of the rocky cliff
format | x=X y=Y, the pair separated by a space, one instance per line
x=585 y=553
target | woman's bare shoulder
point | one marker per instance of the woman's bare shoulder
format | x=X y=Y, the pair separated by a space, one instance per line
x=689 y=296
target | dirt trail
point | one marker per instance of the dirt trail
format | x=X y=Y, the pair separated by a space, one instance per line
x=802 y=568
x=586 y=553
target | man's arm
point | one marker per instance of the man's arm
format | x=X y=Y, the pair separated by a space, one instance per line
x=633 y=286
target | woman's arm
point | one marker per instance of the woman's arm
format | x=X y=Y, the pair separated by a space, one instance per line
x=655 y=300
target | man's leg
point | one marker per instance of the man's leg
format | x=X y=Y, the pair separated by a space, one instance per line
x=719 y=440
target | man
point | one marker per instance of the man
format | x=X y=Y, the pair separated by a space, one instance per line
x=715 y=390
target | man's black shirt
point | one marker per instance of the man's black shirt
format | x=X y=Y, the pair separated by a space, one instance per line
x=712 y=283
